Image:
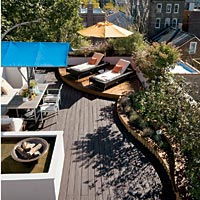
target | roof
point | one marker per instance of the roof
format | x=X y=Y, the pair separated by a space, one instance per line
x=119 y=19
x=34 y=54
x=176 y=36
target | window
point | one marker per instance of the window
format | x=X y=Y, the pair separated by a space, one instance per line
x=157 y=23
x=193 y=46
x=159 y=8
x=174 y=22
x=167 y=22
x=176 y=8
x=168 y=8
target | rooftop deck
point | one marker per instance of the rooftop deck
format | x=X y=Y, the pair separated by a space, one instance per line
x=102 y=161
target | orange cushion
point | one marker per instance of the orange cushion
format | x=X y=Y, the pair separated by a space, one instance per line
x=92 y=61
x=117 y=68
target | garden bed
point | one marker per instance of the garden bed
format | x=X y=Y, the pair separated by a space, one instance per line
x=164 y=148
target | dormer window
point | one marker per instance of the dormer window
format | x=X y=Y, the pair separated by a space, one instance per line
x=159 y=8
x=169 y=8
x=193 y=47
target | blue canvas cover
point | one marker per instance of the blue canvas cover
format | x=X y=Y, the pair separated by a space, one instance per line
x=34 y=54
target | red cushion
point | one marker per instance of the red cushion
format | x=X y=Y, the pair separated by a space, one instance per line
x=117 y=68
x=92 y=61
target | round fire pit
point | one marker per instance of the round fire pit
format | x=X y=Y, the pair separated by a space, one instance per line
x=29 y=149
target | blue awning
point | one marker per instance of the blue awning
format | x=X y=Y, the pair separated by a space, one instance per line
x=34 y=54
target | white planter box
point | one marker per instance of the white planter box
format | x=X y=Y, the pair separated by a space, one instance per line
x=32 y=186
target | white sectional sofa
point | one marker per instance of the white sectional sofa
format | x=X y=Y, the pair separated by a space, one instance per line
x=13 y=81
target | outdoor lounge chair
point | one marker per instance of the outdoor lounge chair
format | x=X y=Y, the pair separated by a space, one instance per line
x=93 y=65
x=120 y=72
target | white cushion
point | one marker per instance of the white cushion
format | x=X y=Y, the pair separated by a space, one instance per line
x=17 y=123
x=107 y=76
x=82 y=67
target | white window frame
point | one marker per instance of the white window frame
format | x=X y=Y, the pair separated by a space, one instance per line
x=193 y=47
x=170 y=6
x=167 y=22
x=157 y=19
x=159 y=10
x=174 y=19
x=176 y=11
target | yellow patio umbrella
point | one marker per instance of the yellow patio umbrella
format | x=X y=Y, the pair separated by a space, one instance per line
x=105 y=30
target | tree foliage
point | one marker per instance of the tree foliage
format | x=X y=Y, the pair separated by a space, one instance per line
x=128 y=45
x=167 y=105
x=157 y=60
x=58 y=20
x=138 y=12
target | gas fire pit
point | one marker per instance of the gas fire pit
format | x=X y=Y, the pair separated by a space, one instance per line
x=29 y=149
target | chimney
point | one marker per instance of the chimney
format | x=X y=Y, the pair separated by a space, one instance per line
x=90 y=20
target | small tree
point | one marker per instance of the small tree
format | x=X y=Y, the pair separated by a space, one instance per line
x=130 y=44
x=157 y=60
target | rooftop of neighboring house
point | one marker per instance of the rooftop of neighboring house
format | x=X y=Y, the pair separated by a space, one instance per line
x=120 y=19
x=176 y=36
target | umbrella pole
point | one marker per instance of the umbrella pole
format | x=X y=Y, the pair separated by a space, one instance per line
x=28 y=77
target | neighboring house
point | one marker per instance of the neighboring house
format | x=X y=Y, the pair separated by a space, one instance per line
x=164 y=13
x=191 y=17
x=188 y=43
x=191 y=22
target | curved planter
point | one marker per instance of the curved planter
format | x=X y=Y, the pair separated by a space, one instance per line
x=170 y=171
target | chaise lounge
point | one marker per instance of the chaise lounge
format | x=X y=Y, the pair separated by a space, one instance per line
x=93 y=65
x=120 y=72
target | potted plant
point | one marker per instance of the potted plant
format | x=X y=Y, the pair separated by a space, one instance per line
x=33 y=86
x=25 y=94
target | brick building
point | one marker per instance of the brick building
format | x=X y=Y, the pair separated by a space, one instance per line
x=191 y=19
x=164 y=13
x=188 y=43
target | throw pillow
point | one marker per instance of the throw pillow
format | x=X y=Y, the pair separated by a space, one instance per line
x=92 y=61
x=117 y=68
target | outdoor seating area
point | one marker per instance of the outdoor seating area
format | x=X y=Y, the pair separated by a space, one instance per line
x=100 y=100
x=94 y=64
x=114 y=76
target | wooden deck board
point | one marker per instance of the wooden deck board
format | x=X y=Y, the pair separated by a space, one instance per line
x=96 y=156
x=113 y=92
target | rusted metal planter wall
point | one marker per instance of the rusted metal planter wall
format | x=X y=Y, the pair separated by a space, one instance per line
x=170 y=171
